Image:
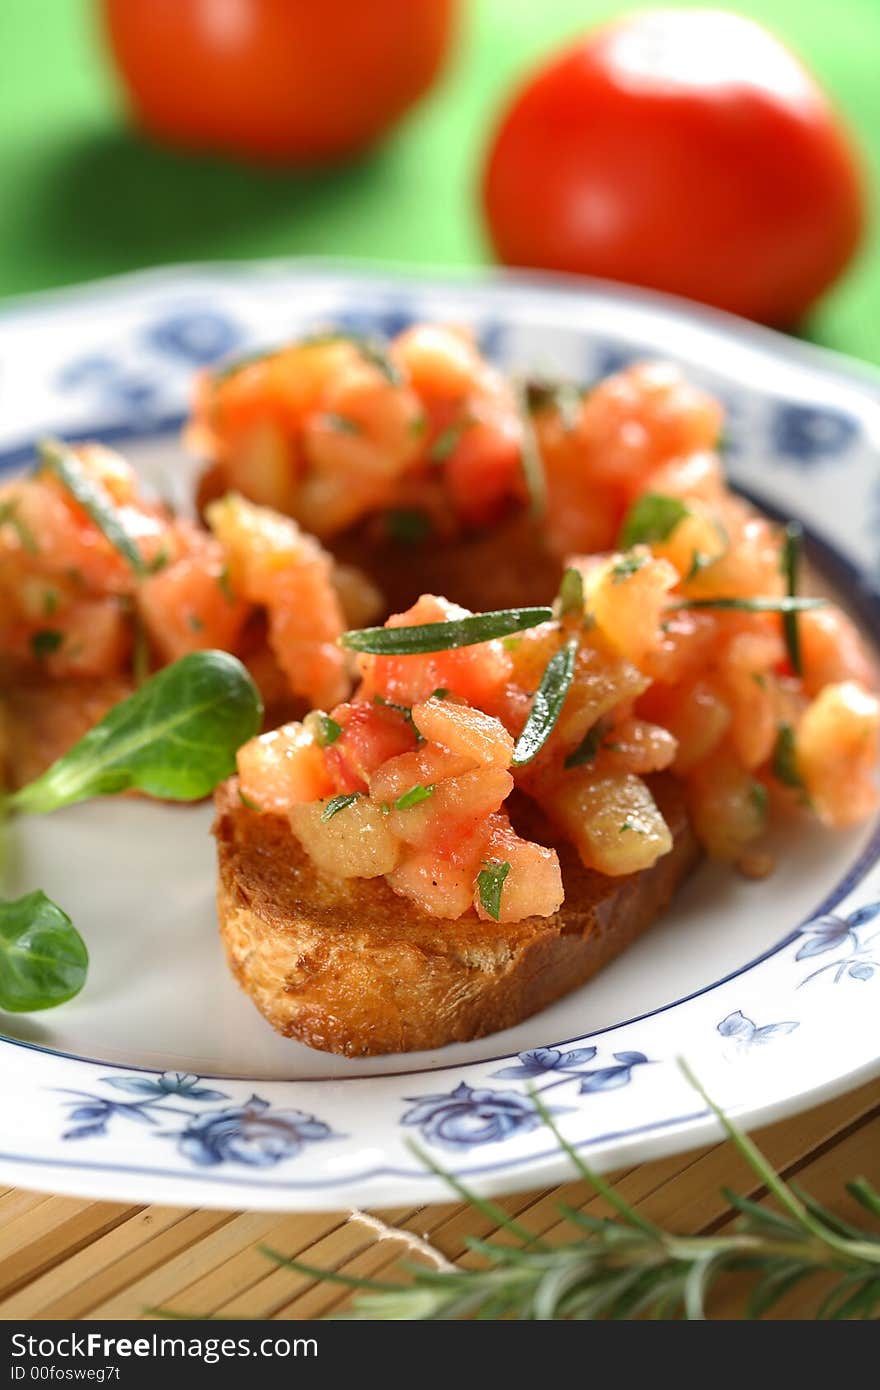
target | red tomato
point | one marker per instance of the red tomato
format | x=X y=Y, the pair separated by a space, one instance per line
x=684 y=150
x=278 y=80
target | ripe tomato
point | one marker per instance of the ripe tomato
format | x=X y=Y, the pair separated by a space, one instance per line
x=688 y=151
x=296 y=81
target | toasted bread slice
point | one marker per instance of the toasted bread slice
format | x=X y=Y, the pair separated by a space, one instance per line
x=348 y=966
x=506 y=566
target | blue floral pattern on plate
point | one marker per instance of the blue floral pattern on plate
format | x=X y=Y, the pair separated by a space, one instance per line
x=860 y=958
x=253 y=1133
x=465 y=1117
x=746 y=1033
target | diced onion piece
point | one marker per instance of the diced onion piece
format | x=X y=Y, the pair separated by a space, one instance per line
x=282 y=768
x=613 y=821
x=837 y=753
x=357 y=842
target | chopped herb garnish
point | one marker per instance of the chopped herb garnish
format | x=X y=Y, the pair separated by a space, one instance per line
x=45 y=642
x=342 y=424
x=330 y=730
x=759 y=798
x=588 y=747
x=565 y=397
x=490 y=881
x=323 y=728
x=407 y=527
x=444 y=636
x=9 y=517
x=414 y=797
x=93 y=499
x=159 y=561
x=441 y=693
x=790 y=563
x=339 y=803
x=447 y=440
x=194 y=622
x=628 y=825
x=784 y=761
x=789 y=604
x=531 y=461
x=224 y=584
x=50 y=602
x=760 y=679
x=547 y=705
x=699 y=562
x=570 y=598
x=652 y=518
x=404 y=710
x=418 y=424
x=628 y=565
x=248 y=801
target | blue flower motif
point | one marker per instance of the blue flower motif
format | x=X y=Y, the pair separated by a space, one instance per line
x=384 y=323
x=861 y=970
x=251 y=1133
x=86 y=371
x=466 y=1117
x=832 y=932
x=808 y=433
x=544 y=1059
x=199 y=336
x=610 y=1078
x=824 y=934
x=113 y=384
x=170 y=1083
x=93 y=1114
x=746 y=1034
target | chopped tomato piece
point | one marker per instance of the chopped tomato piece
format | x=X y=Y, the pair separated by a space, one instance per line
x=464 y=730
x=532 y=886
x=280 y=769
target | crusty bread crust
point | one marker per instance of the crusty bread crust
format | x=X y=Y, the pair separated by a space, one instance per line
x=507 y=566
x=348 y=966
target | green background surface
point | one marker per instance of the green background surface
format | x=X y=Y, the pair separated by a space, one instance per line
x=81 y=195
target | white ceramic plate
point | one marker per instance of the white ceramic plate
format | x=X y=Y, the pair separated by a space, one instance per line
x=161 y=1083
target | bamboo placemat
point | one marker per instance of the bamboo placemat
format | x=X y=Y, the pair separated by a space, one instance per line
x=65 y=1258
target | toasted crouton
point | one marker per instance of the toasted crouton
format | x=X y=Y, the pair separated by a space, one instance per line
x=348 y=966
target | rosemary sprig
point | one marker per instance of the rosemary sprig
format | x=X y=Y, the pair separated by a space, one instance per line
x=788 y=604
x=92 y=498
x=628 y=1267
x=547 y=704
x=532 y=463
x=443 y=637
